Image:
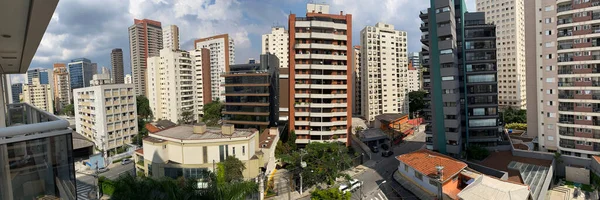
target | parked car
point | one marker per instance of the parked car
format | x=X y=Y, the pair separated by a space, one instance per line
x=126 y=161
x=385 y=147
x=387 y=153
x=354 y=185
x=374 y=149
x=102 y=169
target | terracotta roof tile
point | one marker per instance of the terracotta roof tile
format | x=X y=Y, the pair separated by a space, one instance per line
x=140 y=151
x=425 y=161
x=597 y=158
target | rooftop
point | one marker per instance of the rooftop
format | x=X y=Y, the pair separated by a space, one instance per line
x=500 y=161
x=186 y=132
x=372 y=133
x=79 y=141
x=266 y=139
x=389 y=117
x=486 y=187
x=425 y=162
x=159 y=125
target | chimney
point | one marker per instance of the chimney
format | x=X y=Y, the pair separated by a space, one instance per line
x=199 y=128
x=341 y=12
x=227 y=129
x=273 y=131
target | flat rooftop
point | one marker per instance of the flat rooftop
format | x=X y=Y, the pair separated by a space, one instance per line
x=501 y=160
x=186 y=132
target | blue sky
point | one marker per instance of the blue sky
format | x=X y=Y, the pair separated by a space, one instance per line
x=90 y=28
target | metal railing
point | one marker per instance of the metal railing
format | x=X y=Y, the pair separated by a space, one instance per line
x=25 y=120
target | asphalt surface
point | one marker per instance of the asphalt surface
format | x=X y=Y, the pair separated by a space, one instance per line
x=86 y=183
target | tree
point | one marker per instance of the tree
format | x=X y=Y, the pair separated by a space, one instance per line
x=358 y=129
x=212 y=113
x=511 y=115
x=325 y=162
x=68 y=110
x=286 y=146
x=143 y=108
x=558 y=157
x=329 y=194
x=234 y=169
x=187 y=117
x=142 y=132
x=416 y=102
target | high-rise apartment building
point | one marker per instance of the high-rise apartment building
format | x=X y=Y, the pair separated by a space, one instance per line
x=356 y=92
x=171 y=37
x=459 y=74
x=509 y=18
x=384 y=71
x=145 y=40
x=62 y=86
x=175 y=85
x=116 y=62
x=564 y=116
x=81 y=72
x=413 y=80
x=222 y=54
x=106 y=114
x=252 y=94
x=320 y=75
x=44 y=75
x=414 y=58
x=16 y=91
x=128 y=79
x=106 y=71
x=276 y=43
x=38 y=95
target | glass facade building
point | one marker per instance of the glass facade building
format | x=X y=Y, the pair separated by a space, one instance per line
x=16 y=90
x=81 y=71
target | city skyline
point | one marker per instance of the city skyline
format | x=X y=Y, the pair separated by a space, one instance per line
x=69 y=37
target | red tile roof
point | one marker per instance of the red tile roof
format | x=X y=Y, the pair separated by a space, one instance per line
x=597 y=158
x=140 y=151
x=425 y=161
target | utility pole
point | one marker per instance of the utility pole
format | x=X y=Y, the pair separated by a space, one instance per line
x=302 y=166
x=261 y=185
x=97 y=182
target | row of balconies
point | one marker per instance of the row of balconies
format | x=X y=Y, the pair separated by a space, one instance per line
x=586 y=69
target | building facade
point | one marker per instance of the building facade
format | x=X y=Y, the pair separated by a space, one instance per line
x=509 y=18
x=413 y=81
x=62 y=86
x=44 y=75
x=277 y=43
x=252 y=94
x=459 y=117
x=38 y=95
x=145 y=40
x=414 y=58
x=171 y=37
x=222 y=54
x=16 y=91
x=356 y=92
x=81 y=72
x=320 y=75
x=128 y=79
x=106 y=115
x=116 y=61
x=384 y=71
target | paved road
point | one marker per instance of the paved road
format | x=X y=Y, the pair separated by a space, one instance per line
x=86 y=183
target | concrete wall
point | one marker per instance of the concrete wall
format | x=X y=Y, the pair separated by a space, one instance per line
x=595 y=166
x=422 y=183
x=547 y=181
x=500 y=148
x=577 y=174
x=487 y=171
x=357 y=143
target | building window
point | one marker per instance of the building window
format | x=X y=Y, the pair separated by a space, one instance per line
x=233 y=151
x=447 y=78
x=406 y=167
x=243 y=150
x=205 y=154
x=432 y=182
x=419 y=175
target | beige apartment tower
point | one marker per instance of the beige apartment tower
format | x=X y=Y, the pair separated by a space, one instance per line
x=509 y=18
x=384 y=71
x=222 y=54
x=62 y=86
x=171 y=37
x=276 y=43
x=145 y=40
x=38 y=95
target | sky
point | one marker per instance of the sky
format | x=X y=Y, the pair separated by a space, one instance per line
x=91 y=28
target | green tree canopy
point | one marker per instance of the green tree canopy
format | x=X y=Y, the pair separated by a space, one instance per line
x=68 y=110
x=212 y=113
x=329 y=194
x=416 y=102
x=511 y=115
x=187 y=117
x=234 y=169
x=325 y=162
x=143 y=108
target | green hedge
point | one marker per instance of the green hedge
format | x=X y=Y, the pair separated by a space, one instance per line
x=119 y=160
x=517 y=126
x=106 y=185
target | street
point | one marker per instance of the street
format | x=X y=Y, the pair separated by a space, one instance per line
x=86 y=182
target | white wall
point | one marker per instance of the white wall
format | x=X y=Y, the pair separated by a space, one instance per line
x=424 y=184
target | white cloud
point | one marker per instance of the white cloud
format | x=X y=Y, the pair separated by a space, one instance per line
x=18 y=78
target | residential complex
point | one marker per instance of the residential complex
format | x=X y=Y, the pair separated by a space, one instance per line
x=16 y=91
x=62 y=86
x=509 y=18
x=252 y=94
x=44 y=75
x=145 y=40
x=564 y=116
x=106 y=114
x=414 y=58
x=168 y=100
x=81 y=72
x=116 y=61
x=413 y=80
x=38 y=95
x=276 y=43
x=222 y=54
x=170 y=36
x=356 y=92
x=459 y=117
x=190 y=150
x=384 y=71
x=320 y=75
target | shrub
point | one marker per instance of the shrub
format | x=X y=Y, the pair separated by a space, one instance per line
x=517 y=126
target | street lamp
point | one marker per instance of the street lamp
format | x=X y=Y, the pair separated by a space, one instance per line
x=302 y=166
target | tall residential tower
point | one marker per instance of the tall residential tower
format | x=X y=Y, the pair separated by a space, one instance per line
x=171 y=37
x=116 y=61
x=222 y=54
x=62 y=86
x=145 y=40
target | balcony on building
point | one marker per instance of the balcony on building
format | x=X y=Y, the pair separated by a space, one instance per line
x=579 y=69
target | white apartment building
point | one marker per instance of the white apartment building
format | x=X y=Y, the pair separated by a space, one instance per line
x=38 y=95
x=384 y=71
x=127 y=79
x=222 y=54
x=509 y=18
x=106 y=114
x=414 y=81
x=277 y=43
x=171 y=37
x=356 y=91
